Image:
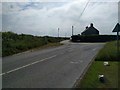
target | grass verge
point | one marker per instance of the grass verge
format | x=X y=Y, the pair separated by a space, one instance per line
x=108 y=52
x=90 y=79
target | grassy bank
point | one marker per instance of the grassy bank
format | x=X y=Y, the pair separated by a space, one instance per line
x=90 y=80
x=107 y=53
x=13 y=43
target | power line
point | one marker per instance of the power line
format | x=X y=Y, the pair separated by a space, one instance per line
x=84 y=8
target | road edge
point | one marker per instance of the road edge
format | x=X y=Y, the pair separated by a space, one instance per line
x=84 y=72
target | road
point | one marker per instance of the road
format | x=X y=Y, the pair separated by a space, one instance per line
x=57 y=67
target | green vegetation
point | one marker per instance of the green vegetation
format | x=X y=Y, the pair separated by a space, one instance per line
x=0 y=44
x=107 y=53
x=90 y=80
x=13 y=43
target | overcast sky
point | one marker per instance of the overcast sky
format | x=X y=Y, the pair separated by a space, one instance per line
x=43 y=18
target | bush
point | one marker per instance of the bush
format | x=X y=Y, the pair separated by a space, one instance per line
x=13 y=43
x=93 y=38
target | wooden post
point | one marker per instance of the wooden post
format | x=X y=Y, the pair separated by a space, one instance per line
x=72 y=30
x=117 y=45
x=58 y=34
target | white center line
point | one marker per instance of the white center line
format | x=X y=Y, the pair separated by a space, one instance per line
x=27 y=65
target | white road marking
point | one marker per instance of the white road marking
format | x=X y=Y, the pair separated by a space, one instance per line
x=73 y=62
x=27 y=65
x=81 y=61
x=2 y=74
x=94 y=49
x=70 y=50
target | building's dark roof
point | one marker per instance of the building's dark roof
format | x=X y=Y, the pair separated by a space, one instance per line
x=91 y=28
x=117 y=28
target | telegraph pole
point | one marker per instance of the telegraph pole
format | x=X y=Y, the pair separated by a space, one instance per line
x=72 y=30
x=46 y=40
x=58 y=34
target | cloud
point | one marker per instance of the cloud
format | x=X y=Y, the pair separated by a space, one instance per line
x=0 y=16
x=57 y=0
x=44 y=18
x=104 y=16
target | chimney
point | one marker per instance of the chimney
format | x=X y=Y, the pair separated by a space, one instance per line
x=91 y=25
x=86 y=27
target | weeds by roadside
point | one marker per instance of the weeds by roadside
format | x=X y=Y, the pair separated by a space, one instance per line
x=13 y=43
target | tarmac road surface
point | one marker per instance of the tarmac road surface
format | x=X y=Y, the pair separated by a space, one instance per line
x=57 y=67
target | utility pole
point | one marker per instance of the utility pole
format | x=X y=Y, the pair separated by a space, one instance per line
x=46 y=40
x=72 y=30
x=58 y=34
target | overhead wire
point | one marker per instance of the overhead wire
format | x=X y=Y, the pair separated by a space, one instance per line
x=83 y=10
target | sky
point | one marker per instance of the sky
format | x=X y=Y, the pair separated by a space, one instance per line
x=44 y=17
